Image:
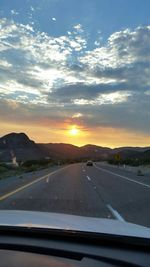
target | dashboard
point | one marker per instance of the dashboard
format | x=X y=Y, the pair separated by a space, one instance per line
x=28 y=247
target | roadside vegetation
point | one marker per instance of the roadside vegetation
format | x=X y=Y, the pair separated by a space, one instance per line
x=130 y=161
x=8 y=170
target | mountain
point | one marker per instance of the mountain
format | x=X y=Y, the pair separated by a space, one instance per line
x=95 y=152
x=20 y=146
x=131 y=152
x=132 y=156
x=128 y=148
x=60 y=150
x=125 y=153
x=67 y=151
x=144 y=155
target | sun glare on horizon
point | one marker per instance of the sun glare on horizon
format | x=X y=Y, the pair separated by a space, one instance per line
x=74 y=131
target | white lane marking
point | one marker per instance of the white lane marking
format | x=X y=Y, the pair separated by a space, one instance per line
x=29 y=184
x=47 y=179
x=83 y=168
x=121 y=176
x=115 y=213
x=88 y=178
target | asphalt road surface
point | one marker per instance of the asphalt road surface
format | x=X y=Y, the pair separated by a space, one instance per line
x=97 y=191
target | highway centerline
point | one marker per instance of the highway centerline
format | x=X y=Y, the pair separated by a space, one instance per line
x=29 y=184
x=121 y=176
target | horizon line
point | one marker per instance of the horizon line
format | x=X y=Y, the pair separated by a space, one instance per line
x=89 y=144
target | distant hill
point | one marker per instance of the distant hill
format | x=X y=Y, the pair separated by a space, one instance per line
x=20 y=146
x=60 y=150
x=128 y=148
x=68 y=151
x=124 y=153
x=95 y=152
x=144 y=155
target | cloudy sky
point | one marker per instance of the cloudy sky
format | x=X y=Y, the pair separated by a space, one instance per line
x=76 y=71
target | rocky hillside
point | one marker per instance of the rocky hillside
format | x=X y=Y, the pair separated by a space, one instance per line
x=20 y=146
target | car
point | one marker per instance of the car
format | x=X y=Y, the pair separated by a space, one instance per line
x=89 y=163
x=52 y=239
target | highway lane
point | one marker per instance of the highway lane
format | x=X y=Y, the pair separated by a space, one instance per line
x=124 y=192
x=66 y=190
x=11 y=183
x=97 y=191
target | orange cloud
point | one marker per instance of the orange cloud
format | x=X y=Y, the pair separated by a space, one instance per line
x=110 y=137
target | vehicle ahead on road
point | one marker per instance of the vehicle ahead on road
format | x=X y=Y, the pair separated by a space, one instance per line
x=52 y=239
x=89 y=163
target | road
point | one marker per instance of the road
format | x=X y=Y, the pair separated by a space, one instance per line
x=97 y=191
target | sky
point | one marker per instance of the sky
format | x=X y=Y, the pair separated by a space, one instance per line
x=76 y=71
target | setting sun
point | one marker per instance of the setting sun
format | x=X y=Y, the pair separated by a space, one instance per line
x=74 y=131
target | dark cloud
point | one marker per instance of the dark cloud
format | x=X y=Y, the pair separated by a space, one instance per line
x=37 y=67
x=124 y=115
x=81 y=91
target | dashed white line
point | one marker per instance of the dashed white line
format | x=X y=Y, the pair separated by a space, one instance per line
x=47 y=179
x=31 y=183
x=83 y=168
x=88 y=178
x=121 y=176
x=115 y=213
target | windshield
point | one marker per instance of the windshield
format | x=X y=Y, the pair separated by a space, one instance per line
x=74 y=108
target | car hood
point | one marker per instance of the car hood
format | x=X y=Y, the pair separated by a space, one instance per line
x=71 y=223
